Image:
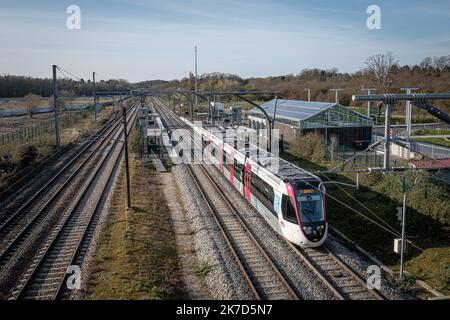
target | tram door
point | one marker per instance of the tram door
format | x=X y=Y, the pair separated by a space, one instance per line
x=205 y=150
x=247 y=179
x=220 y=157
x=231 y=167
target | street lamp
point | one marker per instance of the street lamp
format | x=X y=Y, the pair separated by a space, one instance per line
x=309 y=94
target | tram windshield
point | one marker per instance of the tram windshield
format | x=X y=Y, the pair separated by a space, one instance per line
x=310 y=205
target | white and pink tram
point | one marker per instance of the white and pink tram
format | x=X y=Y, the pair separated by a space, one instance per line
x=289 y=198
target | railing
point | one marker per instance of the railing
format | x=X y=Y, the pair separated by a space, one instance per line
x=429 y=150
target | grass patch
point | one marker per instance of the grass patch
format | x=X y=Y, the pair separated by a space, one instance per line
x=139 y=262
x=432 y=132
x=203 y=269
x=435 y=141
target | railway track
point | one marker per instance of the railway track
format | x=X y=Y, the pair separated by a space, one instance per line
x=40 y=240
x=29 y=178
x=19 y=195
x=336 y=275
x=21 y=222
x=260 y=272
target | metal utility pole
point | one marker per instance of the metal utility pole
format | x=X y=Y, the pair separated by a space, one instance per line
x=209 y=109
x=269 y=122
x=127 y=170
x=309 y=94
x=192 y=105
x=55 y=103
x=369 y=103
x=402 y=253
x=95 y=98
x=196 y=83
x=420 y=100
x=274 y=113
x=387 y=137
x=336 y=91
x=408 y=112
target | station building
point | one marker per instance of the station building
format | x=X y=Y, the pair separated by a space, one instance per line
x=294 y=118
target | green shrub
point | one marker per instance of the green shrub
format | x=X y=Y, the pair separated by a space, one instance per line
x=28 y=155
x=137 y=142
x=309 y=147
x=444 y=276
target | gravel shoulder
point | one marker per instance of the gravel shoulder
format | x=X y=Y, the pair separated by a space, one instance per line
x=217 y=266
x=194 y=284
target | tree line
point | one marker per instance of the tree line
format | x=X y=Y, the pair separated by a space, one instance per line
x=19 y=86
x=382 y=71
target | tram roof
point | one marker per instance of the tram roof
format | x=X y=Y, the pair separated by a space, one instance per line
x=283 y=169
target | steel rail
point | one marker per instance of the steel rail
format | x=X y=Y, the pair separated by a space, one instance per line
x=325 y=277
x=242 y=223
x=340 y=271
x=79 y=153
x=35 y=219
x=24 y=283
x=238 y=254
x=21 y=234
x=42 y=164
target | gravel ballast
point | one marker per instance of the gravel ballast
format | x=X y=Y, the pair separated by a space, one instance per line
x=307 y=283
x=224 y=280
x=304 y=280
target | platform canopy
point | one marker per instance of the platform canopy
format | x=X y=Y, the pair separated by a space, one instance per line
x=312 y=115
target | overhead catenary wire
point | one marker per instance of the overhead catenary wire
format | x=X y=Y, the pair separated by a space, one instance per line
x=387 y=229
x=65 y=72
x=396 y=234
x=362 y=204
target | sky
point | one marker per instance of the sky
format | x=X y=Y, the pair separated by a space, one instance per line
x=154 y=39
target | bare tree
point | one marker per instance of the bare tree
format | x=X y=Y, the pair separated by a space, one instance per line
x=32 y=101
x=380 y=68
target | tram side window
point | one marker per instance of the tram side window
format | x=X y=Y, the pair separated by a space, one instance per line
x=264 y=192
x=288 y=209
x=238 y=170
x=213 y=152
x=270 y=195
x=224 y=157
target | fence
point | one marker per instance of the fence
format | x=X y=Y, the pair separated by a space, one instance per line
x=35 y=131
x=400 y=130
x=367 y=159
x=429 y=150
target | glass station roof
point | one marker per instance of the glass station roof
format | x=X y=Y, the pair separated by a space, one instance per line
x=307 y=115
x=293 y=109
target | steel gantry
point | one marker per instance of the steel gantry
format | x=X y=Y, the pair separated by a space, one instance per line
x=420 y=100
x=241 y=95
